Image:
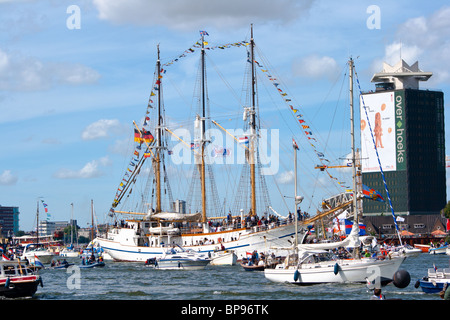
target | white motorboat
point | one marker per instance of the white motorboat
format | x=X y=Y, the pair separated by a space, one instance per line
x=404 y=250
x=224 y=258
x=33 y=250
x=177 y=258
x=69 y=253
x=447 y=251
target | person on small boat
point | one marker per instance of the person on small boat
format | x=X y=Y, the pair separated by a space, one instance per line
x=377 y=294
x=445 y=293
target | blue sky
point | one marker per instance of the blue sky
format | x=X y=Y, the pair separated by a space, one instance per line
x=68 y=96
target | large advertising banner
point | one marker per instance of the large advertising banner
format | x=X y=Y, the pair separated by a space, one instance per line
x=383 y=119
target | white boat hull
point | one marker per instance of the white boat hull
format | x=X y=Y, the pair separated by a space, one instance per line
x=351 y=271
x=407 y=252
x=224 y=259
x=43 y=256
x=241 y=241
x=69 y=254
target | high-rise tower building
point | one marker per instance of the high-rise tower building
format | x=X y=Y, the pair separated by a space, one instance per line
x=9 y=221
x=407 y=127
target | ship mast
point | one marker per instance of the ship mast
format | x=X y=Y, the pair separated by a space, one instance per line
x=252 y=128
x=203 y=129
x=157 y=158
x=355 y=189
x=37 y=222
x=354 y=177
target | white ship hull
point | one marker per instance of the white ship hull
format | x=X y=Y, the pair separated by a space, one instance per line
x=351 y=271
x=123 y=244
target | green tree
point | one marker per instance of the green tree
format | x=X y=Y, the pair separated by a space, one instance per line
x=447 y=210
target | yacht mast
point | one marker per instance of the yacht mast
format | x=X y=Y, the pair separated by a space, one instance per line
x=37 y=222
x=253 y=128
x=71 y=225
x=203 y=129
x=92 y=220
x=355 y=189
x=157 y=159
x=295 y=193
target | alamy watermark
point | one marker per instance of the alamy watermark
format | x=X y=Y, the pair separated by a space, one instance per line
x=228 y=148
x=74 y=280
x=74 y=20
x=374 y=20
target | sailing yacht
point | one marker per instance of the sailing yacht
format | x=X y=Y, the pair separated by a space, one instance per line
x=149 y=237
x=37 y=252
x=69 y=251
x=315 y=263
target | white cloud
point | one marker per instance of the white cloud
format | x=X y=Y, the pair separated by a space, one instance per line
x=90 y=170
x=101 y=129
x=19 y=73
x=285 y=177
x=424 y=39
x=315 y=67
x=7 y=178
x=121 y=147
x=183 y=15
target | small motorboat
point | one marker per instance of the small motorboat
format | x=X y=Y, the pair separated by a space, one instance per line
x=88 y=265
x=253 y=267
x=423 y=247
x=60 y=265
x=404 y=250
x=69 y=253
x=438 y=250
x=37 y=251
x=434 y=281
x=223 y=258
x=178 y=258
x=17 y=281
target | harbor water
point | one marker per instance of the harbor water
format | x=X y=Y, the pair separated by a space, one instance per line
x=135 y=281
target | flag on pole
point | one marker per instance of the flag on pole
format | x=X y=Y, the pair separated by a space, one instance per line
x=294 y=144
x=37 y=262
x=243 y=140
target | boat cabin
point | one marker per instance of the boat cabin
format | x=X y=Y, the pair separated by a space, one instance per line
x=13 y=269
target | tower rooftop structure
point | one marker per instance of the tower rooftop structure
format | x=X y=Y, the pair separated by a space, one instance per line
x=400 y=76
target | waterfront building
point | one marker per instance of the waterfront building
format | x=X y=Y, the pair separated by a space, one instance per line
x=9 y=221
x=408 y=129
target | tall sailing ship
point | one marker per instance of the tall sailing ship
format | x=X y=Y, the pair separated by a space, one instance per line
x=148 y=234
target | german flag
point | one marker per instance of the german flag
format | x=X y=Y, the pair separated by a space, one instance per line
x=147 y=136
x=137 y=135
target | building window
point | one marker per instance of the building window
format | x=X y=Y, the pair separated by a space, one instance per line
x=387 y=226
x=419 y=226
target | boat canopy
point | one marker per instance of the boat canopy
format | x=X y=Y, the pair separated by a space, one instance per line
x=351 y=241
x=175 y=216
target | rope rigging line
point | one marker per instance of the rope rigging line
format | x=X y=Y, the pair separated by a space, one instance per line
x=378 y=158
